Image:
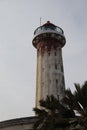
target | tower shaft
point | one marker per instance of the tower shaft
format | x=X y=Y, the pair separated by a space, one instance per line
x=50 y=74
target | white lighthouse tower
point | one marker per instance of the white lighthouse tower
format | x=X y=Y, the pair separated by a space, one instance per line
x=49 y=40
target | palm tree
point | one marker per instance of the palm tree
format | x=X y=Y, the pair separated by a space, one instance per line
x=77 y=101
x=52 y=115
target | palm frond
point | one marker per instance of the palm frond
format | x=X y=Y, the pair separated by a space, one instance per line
x=50 y=103
x=40 y=112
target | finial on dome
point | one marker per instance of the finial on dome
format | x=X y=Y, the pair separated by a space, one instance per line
x=48 y=22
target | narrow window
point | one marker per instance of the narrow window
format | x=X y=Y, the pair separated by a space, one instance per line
x=56 y=81
x=42 y=69
x=48 y=53
x=57 y=86
x=49 y=81
x=62 y=68
x=55 y=53
x=56 y=66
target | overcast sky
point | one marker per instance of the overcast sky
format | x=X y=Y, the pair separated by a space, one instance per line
x=18 y=20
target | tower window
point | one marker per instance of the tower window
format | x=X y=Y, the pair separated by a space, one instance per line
x=48 y=53
x=56 y=66
x=63 y=80
x=49 y=81
x=57 y=86
x=62 y=68
x=56 y=81
x=55 y=53
x=42 y=69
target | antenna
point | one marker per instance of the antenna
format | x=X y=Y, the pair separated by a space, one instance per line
x=40 y=21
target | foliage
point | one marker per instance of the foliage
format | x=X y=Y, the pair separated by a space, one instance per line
x=77 y=101
x=69 y=114
x=52 y=115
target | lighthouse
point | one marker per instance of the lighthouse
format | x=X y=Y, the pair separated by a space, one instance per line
x=48 y=40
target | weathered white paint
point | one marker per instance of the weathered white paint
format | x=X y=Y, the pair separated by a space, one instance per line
x=50 y=75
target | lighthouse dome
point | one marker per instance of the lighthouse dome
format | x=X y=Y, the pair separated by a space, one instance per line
x=49 y=30
x=48 y=27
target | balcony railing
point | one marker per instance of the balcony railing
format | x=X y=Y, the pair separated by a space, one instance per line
x=43 y=29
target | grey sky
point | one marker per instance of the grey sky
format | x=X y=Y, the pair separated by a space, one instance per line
x=18 y=20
